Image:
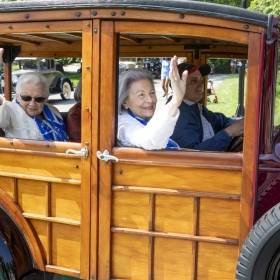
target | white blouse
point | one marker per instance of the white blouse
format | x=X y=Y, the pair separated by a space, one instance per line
x=153 y=136
x=17 y=124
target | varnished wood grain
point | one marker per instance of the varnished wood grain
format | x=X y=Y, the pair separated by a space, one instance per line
x=31 y=196
x=45 y=15
x=179 y=178
x=174 y=192
x=182 y=158
x=219 y=218
x=216 y=261
x=66 y=201
x=130 y=257
x=171 y=235
x=130 y=210
x=182 y=29
x=45 y=146
x=86 y=115
x=40 y=166
x=66 y=246
x=26 y=228
x=94 y=164
x=174 y=214
x=41 y=26
x=106 y=142
x=7 y=185
x=251 y=139
x=172 y=259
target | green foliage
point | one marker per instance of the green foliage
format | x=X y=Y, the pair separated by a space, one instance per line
x=222 y=66
x=266 y=6
x=74 y=77
x=235 y=3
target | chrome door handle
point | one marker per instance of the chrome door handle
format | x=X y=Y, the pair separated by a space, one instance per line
x=83 y=152
x=106 y=156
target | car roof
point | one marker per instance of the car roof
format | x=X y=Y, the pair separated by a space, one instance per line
x=181 y=6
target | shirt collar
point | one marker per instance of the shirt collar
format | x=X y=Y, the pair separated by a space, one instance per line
x=188 y=102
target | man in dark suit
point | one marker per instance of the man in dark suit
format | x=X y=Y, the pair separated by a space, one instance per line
x=197 y=127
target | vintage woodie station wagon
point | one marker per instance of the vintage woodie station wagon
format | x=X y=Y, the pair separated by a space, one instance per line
x=93 y=210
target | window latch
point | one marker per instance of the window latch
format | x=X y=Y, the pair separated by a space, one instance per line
x=106 y=156
x=83 y=152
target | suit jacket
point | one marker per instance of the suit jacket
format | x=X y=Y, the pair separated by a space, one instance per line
x=188 y=132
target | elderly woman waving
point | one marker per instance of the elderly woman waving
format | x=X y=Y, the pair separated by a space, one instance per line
x=137 y=124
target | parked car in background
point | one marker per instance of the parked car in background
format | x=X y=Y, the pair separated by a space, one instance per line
x=58 y=83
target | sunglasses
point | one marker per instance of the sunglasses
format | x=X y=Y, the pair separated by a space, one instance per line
x=28 y=98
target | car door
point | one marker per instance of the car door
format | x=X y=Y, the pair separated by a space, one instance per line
x=159 y=208
x=50 y=183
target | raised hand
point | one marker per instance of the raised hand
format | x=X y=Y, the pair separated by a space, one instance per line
x=178 y=86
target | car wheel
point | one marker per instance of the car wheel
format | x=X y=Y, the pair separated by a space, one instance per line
x=66 y=91
x=260 y=254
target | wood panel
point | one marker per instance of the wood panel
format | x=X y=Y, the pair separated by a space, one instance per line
x=40 y=167
x=182 y=29
x=65 y=201
x=195 y=179
x=51 y=148
x=182 y=158
x=131 y=210
x=132 y=257
x=45 y=15
x=216 y=261
x=41 y=228
x=66 y=246
x=94 y=164
x=86 y=142
x=219 y=218
x=42 y=26
x=173 y=259
x=106 y=142
x=174 y=214
x=251 y=139
x=32 y=196
x=173 y=17
x=7 y=185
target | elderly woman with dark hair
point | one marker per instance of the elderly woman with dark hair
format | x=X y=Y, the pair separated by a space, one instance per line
x=29 y=116
x=137 y=124
x=73 y=119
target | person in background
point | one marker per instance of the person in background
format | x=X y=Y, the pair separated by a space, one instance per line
x=73 y=119
x=137 y=124
x=42 y=65
x=233 y=65
x=197 y=127
x=165 y=68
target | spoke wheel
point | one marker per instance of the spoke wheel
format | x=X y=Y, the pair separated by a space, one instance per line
x=66 y=91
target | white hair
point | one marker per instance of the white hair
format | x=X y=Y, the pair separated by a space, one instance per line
x=33 y=78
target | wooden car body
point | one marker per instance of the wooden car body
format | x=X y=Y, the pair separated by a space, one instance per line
x=152 y=214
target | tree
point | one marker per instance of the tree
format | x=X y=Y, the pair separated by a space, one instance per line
x=235 y=3
x=266 y=6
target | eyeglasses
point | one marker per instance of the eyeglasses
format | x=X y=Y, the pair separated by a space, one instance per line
x=194 y=80
x=28 y=98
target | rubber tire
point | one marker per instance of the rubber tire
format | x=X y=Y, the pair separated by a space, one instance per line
x=66 y=91
x=260 y=247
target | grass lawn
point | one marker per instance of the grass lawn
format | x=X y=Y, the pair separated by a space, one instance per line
x=74 y=77
x=227 y=92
